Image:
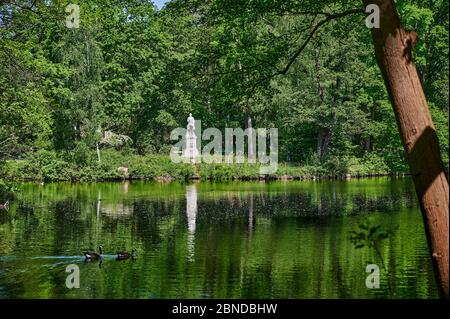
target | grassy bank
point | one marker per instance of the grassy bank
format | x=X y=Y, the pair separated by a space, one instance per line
x=50 y=166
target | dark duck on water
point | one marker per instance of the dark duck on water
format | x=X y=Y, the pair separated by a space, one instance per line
x=123 y=255
x=92 y=255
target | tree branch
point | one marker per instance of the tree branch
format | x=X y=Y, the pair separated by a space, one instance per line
x=22 y=7
x=291 y=61
x=318 y=25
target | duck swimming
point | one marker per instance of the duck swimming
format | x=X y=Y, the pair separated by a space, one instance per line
x=92 y=255
x=123 y=255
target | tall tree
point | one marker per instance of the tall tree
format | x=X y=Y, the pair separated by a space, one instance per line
x=394 y=52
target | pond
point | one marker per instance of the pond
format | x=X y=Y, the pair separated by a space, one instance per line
x=214 y=240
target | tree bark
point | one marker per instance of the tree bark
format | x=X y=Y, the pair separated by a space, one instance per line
x=98 y=153
x=251 y=151
x=323 y=139
x=393 y=48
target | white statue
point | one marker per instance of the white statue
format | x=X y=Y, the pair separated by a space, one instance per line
x=191 y=150
x=191 y=122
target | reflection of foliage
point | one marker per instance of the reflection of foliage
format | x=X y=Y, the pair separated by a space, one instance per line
x=7 y=190
x=371 y=235
x=67 y=222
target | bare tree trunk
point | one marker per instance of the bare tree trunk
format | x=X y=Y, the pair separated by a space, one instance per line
x=249 y=126
x=323 y=139
x=322 y=134
x=98 y=153
x=320 y=143
x=393 y=48
x=251 y=150
x=367 y=144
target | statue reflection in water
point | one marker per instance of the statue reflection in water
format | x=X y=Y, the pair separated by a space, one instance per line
x=191 y=213
x=250 y=214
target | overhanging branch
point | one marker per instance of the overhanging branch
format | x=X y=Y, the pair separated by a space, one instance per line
x=328 y=18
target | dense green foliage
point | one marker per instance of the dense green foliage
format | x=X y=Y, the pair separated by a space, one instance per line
x=137 y=71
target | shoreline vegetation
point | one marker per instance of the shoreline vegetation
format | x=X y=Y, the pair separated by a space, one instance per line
x=50 y=166
x=66 y=92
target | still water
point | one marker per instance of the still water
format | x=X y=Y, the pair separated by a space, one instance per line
x=214 y=240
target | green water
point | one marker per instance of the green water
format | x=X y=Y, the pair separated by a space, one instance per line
x=205 y=240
